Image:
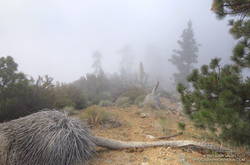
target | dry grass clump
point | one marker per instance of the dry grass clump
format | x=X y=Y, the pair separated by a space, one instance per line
x=166 y=122
x=139 y=100
x=97 y=116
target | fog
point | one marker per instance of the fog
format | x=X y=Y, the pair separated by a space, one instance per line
x=59 y=37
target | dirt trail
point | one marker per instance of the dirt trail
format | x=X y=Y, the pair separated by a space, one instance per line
x=137 y=127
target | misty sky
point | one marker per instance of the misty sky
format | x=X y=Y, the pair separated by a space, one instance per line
x=58 y=37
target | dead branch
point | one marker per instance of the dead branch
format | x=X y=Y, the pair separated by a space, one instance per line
x=170 y=136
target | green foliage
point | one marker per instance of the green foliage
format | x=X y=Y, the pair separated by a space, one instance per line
x=123 y=102
x=94 y=87
x=43 y=95
x=139 y=100
x=240 y=26
x=186 y=57
x=105 y=103
x=181 y=126
x=133 y=93
x=95 y=116
x=14 y=90
x=218 y=100
x=69 y=95
x=173 y=96
x=219 y=97
x=165 y=94
x=70 y=110
x=230 y=7
x=98 y=86
x=20 y=96
x=166 y=124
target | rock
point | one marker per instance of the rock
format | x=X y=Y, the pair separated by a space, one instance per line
x=144 y=163
x=150 y=137
x=145 y=159
x=143 y=115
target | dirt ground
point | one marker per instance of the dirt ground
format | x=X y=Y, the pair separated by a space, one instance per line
x=141 y=125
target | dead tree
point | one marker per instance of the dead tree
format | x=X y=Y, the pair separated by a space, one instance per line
x=153 y=99
x=53 y=138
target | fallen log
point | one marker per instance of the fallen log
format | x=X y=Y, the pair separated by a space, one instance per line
x=118 y=145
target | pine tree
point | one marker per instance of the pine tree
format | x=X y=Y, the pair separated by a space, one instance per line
x=219 y=101
x=240 y=26
x=97 y=64
x=185 y=58
x=220 y=95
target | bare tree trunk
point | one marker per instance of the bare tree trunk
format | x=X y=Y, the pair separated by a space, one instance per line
x=155 y=88
x=117 y=145
x=153 y=99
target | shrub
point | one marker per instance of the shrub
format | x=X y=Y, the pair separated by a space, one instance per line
x=105 y=103
x=181 y=126
x=70 y=110
x=166 y=125
x=218 y=101
x=165 y=94
x=123 y=102
x=69 y=95
x=96 y=116
x=173 y=96
x=20 y=96
x=133 y=93
x=139 y=100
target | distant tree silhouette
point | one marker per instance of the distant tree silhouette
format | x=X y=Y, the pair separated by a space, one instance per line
x=97 y=64
x=185 y=58
x=142 y=75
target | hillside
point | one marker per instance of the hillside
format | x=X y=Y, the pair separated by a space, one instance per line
x=148 y=125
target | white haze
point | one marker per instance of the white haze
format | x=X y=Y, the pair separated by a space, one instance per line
x=58 y=37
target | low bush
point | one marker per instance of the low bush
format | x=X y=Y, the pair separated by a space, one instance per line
x=96 y=116
x=68 y=95
x=139 y=100
x=181 y=126
x=165 y=126
x=173 y=96
x=133 y=93
x=123 y=102
x=105 y=103
x=70 y=110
